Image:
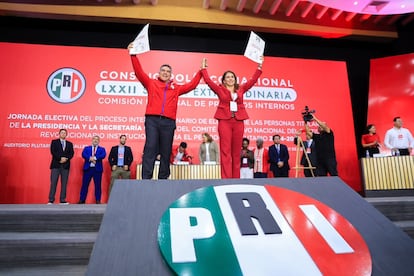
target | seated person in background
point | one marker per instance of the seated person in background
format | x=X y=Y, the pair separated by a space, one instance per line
x=179 y=154
x=370 y=141
x=157 y=159
x=208 y=150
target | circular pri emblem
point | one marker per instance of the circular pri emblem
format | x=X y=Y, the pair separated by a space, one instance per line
x=66 y=85
x=259 y=230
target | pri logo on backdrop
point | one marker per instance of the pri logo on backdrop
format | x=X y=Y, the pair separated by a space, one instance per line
x=66 y=85
x=259 y=230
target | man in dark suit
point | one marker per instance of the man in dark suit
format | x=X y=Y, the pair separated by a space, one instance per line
x=310 y=149
x=120 y=159
x=62 y=152
x=92 y=168
x=279 y=158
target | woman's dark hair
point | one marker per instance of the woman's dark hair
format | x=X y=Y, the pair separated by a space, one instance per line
x=368 y=128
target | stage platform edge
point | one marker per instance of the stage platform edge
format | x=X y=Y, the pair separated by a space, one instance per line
x=127 y=240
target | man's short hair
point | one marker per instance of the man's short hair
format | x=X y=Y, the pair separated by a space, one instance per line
x=183 y=145
x=274 y=136
x=166 y=65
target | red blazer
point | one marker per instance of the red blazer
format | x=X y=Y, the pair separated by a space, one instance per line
x=156 y=93
x=265 y=160
x=224 y=95
x=185 y=158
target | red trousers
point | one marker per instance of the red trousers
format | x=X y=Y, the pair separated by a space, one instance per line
x=231 y=137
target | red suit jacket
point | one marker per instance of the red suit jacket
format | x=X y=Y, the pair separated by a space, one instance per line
x=185 y=158
x=162 y=97
x=224 y=95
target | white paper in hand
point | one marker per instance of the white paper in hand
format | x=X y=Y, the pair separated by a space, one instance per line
x=141 y=42
x=255 y=48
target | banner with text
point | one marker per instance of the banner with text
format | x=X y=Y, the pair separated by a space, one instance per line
x=94 y=91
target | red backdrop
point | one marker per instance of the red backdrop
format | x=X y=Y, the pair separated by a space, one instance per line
x=110 y=102
x=391 y=93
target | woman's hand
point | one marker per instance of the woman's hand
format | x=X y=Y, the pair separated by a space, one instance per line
x=260 y=64
x=204 y=63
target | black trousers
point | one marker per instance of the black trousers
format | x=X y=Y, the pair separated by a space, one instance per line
x=159 y=132
x=260 y=175
x=326 y=166
x=404 y=152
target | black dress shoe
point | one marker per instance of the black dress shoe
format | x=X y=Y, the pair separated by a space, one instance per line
x=81 y=202
x=98 y=202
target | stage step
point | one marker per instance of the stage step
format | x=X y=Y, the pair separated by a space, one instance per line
x=47 y=239
x=51 y=218
x=58 y=239
x=399 y=210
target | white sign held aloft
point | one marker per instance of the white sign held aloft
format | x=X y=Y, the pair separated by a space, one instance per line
x=255 y=48
x=141 y=42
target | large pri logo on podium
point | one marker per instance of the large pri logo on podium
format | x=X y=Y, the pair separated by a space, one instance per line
x=66 y=85
x=259 y=230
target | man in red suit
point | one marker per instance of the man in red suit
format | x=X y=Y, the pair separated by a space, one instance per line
x=160 y=115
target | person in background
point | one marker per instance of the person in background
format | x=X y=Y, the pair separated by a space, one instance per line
x=62 y=152
x=160 y=115
x=370 y=141
x=120 y=159
x=180 y=154
x=261 y=160
x=246 y=160
x=310 y=149
x=398 y=139
x=92 y=168
x=208 y=150
x=279 y=158
x=325 y=148
x=230 y=114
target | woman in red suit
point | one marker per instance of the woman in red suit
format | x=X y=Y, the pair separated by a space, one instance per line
x=230 y=114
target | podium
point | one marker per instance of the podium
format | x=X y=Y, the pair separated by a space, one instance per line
x=187 y=171
x=388 y=174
